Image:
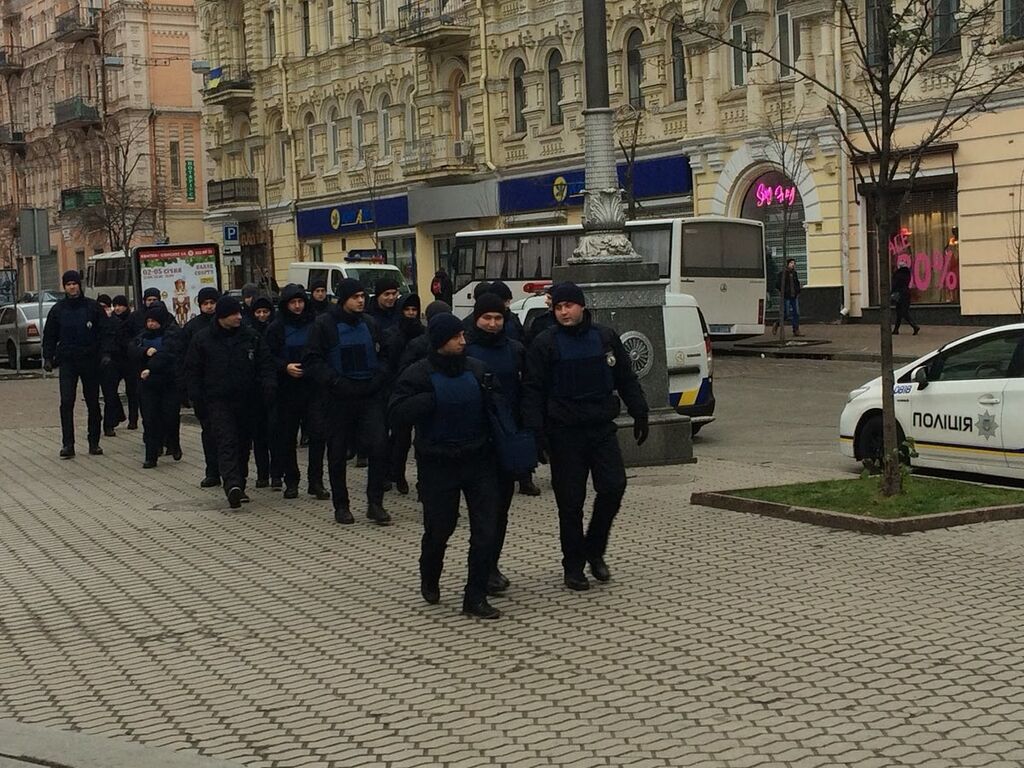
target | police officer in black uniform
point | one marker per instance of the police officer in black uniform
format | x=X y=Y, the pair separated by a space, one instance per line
x=408 y=329
x=418 y=348
x=513 y=325
x=157 y=352
x=231 y=379
x=137 y=319
x=206 y=299
x=443 y=397
x=343 y=357
x=77 y=339
x=121 y=367
x=262 y=313
x=384 y=304
x=576 y=373
x=318 y=301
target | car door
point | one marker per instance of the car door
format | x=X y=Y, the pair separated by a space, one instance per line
x=956 y=419
x=6 y=327
x=1012 y=427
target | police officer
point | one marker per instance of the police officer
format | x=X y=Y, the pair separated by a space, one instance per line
x=207 y=301
x=262 y=312
x=123 y=366
x=443 y=397
x=137 y=320
x=574 y=371
x=505 y=359
x=343 y=357
x=231 y=379
x=113 y=411
x=77 y=339
x=513 y=325
x=418 y=348
x=250 y=291
x=541 y=323
x=383 y=307
x=408 y=329
x=286 y=339
x=318 y=301
x=157 y=351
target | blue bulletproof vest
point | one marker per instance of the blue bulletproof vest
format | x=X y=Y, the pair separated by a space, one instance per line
x=582 y=371
x=76 y=329
x=458 y=412
x=355 y=355
x=157 y=343
x=500 y=360
x=295 y=338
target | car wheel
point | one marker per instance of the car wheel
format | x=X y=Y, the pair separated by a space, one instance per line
x=871 y=441
x=12 y=355
x=694 y=428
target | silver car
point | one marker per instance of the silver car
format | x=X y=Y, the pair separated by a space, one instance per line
x=28 y=329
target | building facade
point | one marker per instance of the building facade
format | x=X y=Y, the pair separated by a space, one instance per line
x=101 y=126
x=391 y=124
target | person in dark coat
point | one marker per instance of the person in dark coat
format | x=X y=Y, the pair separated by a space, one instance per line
x=157 y=352
x=441 y=287
x=506 y=360
x=78 y=340
x=418 y=348
x=286 y=339
x=318 y=301
x=250 y=292
x=122 y=366
x=542 y=322
x=318 y=304
x=513 y=325
x=231 y=379
x=443 y=397
x=343 y=358
x=262 y=312
x=576 y=374
x=789 y=287
x=484 y=286
x=383 y=306
x=901 y=279
x=206 y=300
x=408 y=329
x=137 y=320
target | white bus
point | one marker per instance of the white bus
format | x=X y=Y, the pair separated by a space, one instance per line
x=719 y=261
x=107 y=273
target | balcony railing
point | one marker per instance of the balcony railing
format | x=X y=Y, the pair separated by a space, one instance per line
x=77 y=24
x=222 y=86
x=10 y=60
x=75 y=112
x=79 y=198
x=434 y=23
x=230 y=191
x=12 y=135
x=435 y=154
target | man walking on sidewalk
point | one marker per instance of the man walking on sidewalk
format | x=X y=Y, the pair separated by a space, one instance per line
x=789 y=287
x=901 y=298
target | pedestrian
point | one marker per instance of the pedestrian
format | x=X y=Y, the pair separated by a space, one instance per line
x=318 y=301
x=157 y=351
x=122 y=367
x=577 y=371
x=900 y=296
x=250 y=291
x=206 y=299
x=383 y=307
x=343 y=358
x=789 y=287
x=408 y=329
x=286 y=340
x=262 y=309
x=441 y=287
x=506 y=360
x=77 y=341
x=231 y=380
x=513 y=327
x=443 y=397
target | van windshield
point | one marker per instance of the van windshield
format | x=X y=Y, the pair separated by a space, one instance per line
x=369 y=275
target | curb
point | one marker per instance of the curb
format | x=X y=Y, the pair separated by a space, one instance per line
x=857 y=523
x=811 y=354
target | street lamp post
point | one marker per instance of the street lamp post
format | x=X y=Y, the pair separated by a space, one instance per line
x=624 y=291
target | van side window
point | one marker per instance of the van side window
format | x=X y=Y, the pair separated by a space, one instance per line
x=336 y=278
x=314 y=275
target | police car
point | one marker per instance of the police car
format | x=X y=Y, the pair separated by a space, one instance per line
x=963 y=406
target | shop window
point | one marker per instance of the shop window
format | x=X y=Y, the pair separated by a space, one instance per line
x=678 y=64
x=774 y=200
x=316 y=253
x=519 y=96
x=555 y=88
x=635 y=68
x=945 y=33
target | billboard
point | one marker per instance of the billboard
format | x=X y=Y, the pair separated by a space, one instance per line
x=178 y=272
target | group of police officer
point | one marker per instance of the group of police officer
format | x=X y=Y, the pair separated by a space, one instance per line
x=361 y=376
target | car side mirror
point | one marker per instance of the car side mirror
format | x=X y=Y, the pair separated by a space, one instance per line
x=920 y=376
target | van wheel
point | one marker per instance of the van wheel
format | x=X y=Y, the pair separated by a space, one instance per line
x=694 y=428
x=871 y=441
x=12 y=355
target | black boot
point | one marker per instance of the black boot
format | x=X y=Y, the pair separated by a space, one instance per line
x=599 y=569
x=235 y=498
x=95 y=450
x=343 y=515
x=210 y=481
x=291 y=492
x=431 y=593
x=67 y=452
x=481 y=610
x=378 y=514
x=577 y=581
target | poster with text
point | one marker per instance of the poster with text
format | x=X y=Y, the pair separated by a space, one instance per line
x=178 y=272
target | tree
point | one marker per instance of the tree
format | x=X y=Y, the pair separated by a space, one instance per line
x=628 y=127
x=1015 y=246
x=890 y=45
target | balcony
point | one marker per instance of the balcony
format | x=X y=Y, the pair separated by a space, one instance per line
x=225 y=89
x=232 y=192
x=80 y=198
x=75 y=112
x=438 y=156
x=434 y=24
x=12 y=137
x=77 y=24
x=10 y=60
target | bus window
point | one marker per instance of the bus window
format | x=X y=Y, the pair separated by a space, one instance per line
x=743 y=251
x=722 y=249
x=536 y=255
x=701 y=249
x=566 y=245
x=653 y=243
x=502 y=259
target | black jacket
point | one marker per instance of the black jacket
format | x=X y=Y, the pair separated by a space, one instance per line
x=77 y=329
x=538 y=325
x=322 y=338
x=542 y=409
x=318 y=307
x=275 y=337
x=512 y=388
x=901 y=282
x=188 y=333
x=415 y=350
x=120 y=328
x=163 y=366
x=230 y=365
x=385 y=318
x=398 y=338
x=789 y=284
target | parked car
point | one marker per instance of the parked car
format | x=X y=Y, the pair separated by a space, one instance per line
x=962 y=405
x=48 y=297
x=28 y=329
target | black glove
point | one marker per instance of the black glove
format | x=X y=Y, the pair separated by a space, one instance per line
x=640 y=429
x=48 y=366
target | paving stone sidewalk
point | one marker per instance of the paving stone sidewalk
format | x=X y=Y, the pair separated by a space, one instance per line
x=134 y=606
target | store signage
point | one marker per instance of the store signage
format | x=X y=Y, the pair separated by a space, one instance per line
x=779 y=194
x=190 y=180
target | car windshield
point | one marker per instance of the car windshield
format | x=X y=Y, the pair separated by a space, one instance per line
x=370 y=275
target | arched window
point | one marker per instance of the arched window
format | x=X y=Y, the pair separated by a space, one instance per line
x=635 y=67
x=411 y=120
x=555 y=88
x=742 y=55
x=518 y=96
x=333 y=137
x=279 y=159
x=460 y=106
x=358 y=131
x=678 y=64
x=309 y=142
x=384 y=126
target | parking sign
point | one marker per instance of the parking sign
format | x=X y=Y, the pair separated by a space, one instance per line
x=232 y=245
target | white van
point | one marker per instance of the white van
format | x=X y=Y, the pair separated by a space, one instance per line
x=688 y=353
x=333 y=272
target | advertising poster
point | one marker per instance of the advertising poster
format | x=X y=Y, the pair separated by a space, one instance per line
x=178 y=272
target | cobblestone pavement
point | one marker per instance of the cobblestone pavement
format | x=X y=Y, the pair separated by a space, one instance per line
x=134 y=605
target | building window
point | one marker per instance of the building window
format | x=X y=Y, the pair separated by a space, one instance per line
x=307 y=35
x=282 y=155
x=384 y=126
x=945 y=33
x=355 y=19
x=330 y=23
x=635 y=68
x=310 y=138
x=271 y=27
x=518 y=96
x=678 y=64
x=316 y=252
x=1013 y=18
x=742 y=52
x=788 y=30
x=358 y=132
x=875 y=31
x=555 y=88
x=174 y=155
x=382 y=14
x=334 y=136
x=411 y=127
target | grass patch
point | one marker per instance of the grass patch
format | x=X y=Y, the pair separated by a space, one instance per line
x=921 y=496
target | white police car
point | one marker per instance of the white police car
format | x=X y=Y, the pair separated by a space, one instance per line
x=963 y=406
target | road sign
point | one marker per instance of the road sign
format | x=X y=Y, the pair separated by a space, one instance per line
x=232 y=243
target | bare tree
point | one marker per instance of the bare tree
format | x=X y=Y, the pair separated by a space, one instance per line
x=890 y=45
x=372 y=189
x=1015 y=246
x=628 y=129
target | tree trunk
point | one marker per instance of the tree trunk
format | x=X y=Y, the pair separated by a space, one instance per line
x=892 y=478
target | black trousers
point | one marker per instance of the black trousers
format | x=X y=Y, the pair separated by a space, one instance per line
x=112 y=375
x=261 y=442
x=506 y=490
x=358 y=424
x=441 y=483
x=161 y=418
x=70 y=371
x=576 y=453
x=399 y=443
x=291 y=412
x=903 y=313
x=232 y=424
x=209 y=446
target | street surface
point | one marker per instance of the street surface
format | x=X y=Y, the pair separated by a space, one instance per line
x=134 y=605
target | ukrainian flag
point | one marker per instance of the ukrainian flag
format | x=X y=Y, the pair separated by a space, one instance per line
x=213 y=77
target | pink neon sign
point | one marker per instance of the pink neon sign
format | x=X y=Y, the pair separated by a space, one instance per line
x=780 y=194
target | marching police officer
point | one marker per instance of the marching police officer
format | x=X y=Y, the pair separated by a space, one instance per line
x=418 y=348
x=121 y=367
x=157 y=351
x=443 y=397
x=383 y=307
x=137 y=319
x=207 y=301
x=574 y=371
x=231 y=379
x=513 y=325
x=408 y=329
x=77 y=339
x=343 y=357
x=262 y=312
x=318 y=301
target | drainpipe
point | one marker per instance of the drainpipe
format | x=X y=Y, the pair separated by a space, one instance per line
x=844 y=180
x=286 y=124
x=483 y=87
